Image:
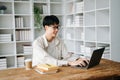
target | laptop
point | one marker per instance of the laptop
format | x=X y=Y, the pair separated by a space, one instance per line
x=95 y=58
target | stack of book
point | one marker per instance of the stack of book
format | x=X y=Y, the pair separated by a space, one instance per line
x=78 y=21
x=27 y=49
x=87 y=51
x=23 y=35
x=5 y=37
x=20 y=61
x=106 y=54
x=107 y=49
x=46 y=68
x=3 y=63
x=19 y=22
x=79 y=7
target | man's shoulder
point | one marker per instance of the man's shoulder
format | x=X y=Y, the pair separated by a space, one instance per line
x=39 y=39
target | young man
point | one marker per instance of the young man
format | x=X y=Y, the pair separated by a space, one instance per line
x=50 y=49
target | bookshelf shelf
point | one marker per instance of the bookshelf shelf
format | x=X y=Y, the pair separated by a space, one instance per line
x=40 y=1
x=7 y=55
x=55 y=1
x=6 y=15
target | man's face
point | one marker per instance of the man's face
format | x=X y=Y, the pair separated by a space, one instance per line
x=52 y=30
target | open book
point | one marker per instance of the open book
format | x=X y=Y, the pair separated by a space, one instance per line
x=46 y=68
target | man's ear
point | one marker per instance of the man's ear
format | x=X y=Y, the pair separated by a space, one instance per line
x=46 y=27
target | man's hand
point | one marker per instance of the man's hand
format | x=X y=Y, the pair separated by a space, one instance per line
x=81 y=62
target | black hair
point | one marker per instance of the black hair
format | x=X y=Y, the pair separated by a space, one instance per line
x=50 y=20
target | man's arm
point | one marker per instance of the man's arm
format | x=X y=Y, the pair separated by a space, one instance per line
x=72 y=58
x=41 y=56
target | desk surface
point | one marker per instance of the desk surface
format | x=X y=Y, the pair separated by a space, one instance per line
x=104 y=71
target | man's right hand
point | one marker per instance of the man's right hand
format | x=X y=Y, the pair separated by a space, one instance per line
x=81 y=62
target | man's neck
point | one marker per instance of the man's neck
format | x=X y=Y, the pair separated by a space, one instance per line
x=49 y=38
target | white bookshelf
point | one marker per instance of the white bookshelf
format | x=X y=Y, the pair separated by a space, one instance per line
x=17 y=18
x=43 y=5
x=73 y=25
x=97 y=29
x=23 y=28
x=97 y=24
x=85 y=25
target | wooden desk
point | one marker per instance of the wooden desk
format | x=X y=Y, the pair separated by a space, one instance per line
x=106 y=70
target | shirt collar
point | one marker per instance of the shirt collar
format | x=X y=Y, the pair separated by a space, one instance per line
x=45 y=41
x=56 y=40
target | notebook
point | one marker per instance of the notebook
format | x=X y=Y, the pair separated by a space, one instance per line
x=95 y=58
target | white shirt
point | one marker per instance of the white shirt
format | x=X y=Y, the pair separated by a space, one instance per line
x=51 y=52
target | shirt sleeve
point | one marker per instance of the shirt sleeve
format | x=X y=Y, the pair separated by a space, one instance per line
x=69 y=56
x=41 y=56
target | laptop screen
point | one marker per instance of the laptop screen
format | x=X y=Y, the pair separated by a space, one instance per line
x=96 y=57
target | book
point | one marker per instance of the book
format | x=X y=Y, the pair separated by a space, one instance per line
x=20 y=61
x=41 y=71
x=46 y=68
x=3 y=63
